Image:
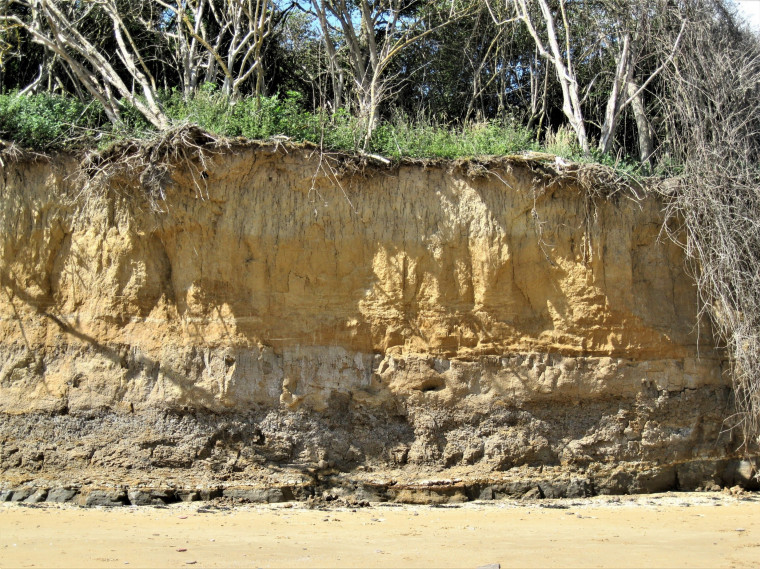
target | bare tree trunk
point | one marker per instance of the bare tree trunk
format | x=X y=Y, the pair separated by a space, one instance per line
x=374 y=34
x=48 y=60
x=333 y=65
x=621 y=88
x=54 y=26
x=644 y=129
x=243 y=26
x=187 y=46
x=563 y=64
x=369 y=107
x=623 y=72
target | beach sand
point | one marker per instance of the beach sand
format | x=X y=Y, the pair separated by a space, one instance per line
x=662 y=530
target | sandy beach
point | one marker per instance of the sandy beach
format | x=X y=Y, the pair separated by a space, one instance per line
x=663 y=530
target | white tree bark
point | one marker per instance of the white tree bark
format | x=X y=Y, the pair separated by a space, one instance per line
x=374 y=34
x=562 y=62
x=543 y=25
x=189 y=54
x=237 y=49
x=54 y=25
x=643 y=127
x=623 y=73
x=625 y=91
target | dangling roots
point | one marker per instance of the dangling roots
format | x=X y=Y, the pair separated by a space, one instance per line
x=152 y=162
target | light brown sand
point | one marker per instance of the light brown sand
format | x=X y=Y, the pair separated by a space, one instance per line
x=671 y=530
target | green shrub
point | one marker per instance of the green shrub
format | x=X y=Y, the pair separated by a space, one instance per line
x=48 y=121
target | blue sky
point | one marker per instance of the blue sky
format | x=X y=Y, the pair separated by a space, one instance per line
x=751 y=9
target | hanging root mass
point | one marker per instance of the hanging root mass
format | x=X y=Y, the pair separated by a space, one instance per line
x=714 y=205
x=152 y=162
x=715 y=216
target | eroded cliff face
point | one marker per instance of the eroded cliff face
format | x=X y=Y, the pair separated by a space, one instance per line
x=267 y=314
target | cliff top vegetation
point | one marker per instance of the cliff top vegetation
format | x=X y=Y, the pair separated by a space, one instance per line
x=587 y=80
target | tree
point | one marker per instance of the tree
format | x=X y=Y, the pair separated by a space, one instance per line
x=571 y=35
x=548 y=47
x=235 y=46
x=374 y=34
x=61 y=27
x=637 y=30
